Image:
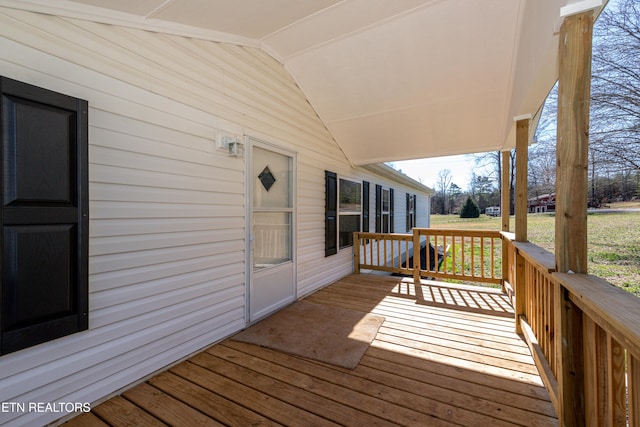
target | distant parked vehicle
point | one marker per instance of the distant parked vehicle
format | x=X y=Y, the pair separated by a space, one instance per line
x=492 y=211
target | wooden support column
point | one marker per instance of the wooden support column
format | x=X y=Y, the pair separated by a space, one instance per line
x=505 y=210
x=572 y=150
x=522 y=160
x=505 y=202
x=571 y=207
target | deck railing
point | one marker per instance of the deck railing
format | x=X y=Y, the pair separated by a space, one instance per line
x=465 y=255
x=383 y=252
x=534 y=296
x=593 y=378
x=584 y=333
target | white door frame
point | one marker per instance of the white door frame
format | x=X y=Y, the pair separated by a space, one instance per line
x=250 y=143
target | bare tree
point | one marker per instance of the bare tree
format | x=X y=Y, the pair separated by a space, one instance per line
x=492 y=161
x=615 y=108
x=615 y=85
x=542 y=167
x=442 y=188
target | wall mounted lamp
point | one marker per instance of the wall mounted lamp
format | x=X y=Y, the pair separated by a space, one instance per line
x=230 y=144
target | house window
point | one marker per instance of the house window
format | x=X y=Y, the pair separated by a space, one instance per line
x=365 y=206
x=44 y=215
x=343 y=212
x=384 y=210
x=349 y=211
x=411 y=211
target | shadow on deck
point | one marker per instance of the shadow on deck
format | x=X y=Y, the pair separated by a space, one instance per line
x=445 y=354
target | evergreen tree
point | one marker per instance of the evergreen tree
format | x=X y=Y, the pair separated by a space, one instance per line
x=470 y=209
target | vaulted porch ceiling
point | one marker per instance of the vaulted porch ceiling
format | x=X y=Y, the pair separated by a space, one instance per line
x=392 y=80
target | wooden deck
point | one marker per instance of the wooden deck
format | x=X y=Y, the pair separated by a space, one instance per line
x=445 y=355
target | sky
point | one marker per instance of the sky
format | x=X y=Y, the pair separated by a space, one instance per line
x=426 y=170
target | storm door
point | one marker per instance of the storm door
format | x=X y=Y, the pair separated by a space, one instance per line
x=271 y=239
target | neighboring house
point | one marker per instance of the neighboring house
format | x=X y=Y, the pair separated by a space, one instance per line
x=184 y=243
x=542 y=203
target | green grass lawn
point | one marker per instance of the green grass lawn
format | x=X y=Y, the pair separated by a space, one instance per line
x=613 y=241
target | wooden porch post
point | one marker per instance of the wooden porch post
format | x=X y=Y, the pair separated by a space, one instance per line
x=571 y=207
x=505 y=201
x=522 y=160
x=505 y=210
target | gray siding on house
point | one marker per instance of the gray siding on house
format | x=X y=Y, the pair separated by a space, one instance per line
x=167 y=210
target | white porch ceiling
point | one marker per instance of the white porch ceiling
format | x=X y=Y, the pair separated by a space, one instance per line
x=391 y=79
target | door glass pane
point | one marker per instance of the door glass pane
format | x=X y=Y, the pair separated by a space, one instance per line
x=272 y=238
x=272 y=180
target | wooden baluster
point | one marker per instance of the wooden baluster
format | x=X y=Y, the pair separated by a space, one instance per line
x=473 y=258
x=406 y=254
x=493 y=263
x=385 y=252
x=462 y=255
x=595 y=356
x=633 y=375
x=483 y=255
x=453 y=253
x=416 y=256
x=617 y=384
x=356 y=253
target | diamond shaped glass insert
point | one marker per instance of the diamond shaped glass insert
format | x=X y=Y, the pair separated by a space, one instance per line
x=266 y=178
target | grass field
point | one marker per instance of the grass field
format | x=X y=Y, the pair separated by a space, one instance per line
x=613 y=241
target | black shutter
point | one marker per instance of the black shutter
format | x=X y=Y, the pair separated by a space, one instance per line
x=378 y=208
x=391 y=219
x=44 y=215
x=365 y=206
x=408 y=214
x=415 y=211
x=331 y=214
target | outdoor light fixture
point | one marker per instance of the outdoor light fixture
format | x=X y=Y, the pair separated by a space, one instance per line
x=235 y=148
x=230 y=144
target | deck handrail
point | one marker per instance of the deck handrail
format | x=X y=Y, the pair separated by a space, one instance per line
x=596 y=369
x=466 y=255
x=382 y=252
x=469 y=255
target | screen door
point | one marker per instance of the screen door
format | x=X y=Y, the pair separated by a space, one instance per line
x=271 y=241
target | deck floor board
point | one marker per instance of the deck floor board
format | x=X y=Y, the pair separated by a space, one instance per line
x=446 y=355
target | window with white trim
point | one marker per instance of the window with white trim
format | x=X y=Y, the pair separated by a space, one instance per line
x=386 y=213
x=349 y=211
x=384 y=210
x=411 y=211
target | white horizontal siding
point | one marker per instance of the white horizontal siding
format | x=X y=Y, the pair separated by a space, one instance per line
x=167 y=211
x=311 y=190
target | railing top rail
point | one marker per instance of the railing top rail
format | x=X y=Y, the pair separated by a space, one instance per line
x=539 y=257
x=458 y=232
x=385 y=236
x=508 y=235
x=613 y=309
